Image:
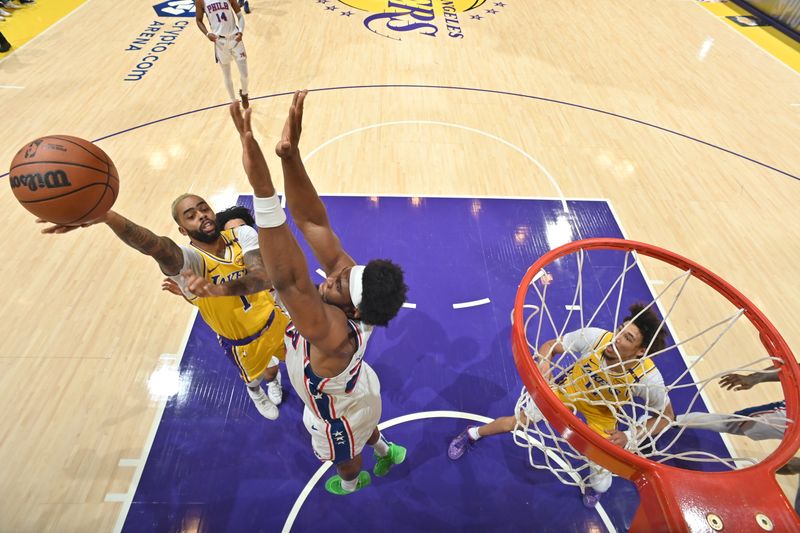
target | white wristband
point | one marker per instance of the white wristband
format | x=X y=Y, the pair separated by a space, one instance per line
x=268 y=211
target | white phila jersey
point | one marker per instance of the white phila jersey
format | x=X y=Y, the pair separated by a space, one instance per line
x=221 y=17
x=340 y=412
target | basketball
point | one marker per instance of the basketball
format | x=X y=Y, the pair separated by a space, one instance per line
x=64 y=180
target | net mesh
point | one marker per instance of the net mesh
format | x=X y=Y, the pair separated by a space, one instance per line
x=593 y=289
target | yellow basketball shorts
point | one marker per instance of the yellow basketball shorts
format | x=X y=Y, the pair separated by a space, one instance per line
x=253 y=358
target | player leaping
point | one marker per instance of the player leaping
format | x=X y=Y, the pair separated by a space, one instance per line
x=331 y=323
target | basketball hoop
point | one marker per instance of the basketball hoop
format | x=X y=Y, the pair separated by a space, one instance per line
x=672 y=498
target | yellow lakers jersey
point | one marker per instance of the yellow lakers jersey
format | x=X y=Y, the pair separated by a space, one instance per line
x=588 y=383
x=234 y=317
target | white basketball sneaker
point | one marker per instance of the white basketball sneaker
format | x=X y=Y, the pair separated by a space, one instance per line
x=275 y=390
x=264 y=405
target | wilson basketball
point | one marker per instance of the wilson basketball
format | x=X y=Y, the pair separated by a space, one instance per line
x=64 y=180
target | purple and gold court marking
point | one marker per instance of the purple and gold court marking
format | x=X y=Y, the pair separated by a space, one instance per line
x=216 y=465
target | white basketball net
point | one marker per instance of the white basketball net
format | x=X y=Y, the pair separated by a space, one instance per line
x=702 y=349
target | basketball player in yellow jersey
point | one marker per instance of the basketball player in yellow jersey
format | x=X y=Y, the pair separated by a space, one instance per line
x=609 y=371
x=223 y=275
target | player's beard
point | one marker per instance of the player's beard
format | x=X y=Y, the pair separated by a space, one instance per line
x=201 y=236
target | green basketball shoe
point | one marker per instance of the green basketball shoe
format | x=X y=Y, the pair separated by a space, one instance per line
x=396 y=455
x=334 y=483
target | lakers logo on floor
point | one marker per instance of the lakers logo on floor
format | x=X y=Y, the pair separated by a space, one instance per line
x=379 y=6
x=399 y=19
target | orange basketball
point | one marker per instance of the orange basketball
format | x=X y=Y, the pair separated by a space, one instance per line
x=64 y=180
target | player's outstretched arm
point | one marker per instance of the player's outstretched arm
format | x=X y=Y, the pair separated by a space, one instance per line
x=546 y=352
x=167 y=254
x=304 y=204
x=283 y=259
x=745 y=382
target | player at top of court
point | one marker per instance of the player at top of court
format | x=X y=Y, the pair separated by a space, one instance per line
x=220 y=272
x=227 y=26
x=331 y=324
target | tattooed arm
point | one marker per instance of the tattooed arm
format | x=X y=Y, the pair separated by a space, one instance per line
x=256 y=280
x=167 y=254
x=162 y=249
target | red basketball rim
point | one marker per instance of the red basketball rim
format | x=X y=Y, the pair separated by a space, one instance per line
x=675 y=498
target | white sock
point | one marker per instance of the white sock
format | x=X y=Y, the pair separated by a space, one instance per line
x=600 y=478
x=381 y=446
x=473 y=434
x=273 y=363
x=351 y=485
x=226 y=77
x=243 y=75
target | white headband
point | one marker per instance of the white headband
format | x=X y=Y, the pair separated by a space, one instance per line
x=356 y=284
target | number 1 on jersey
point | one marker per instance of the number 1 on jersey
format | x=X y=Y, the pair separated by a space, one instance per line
x=246 y=303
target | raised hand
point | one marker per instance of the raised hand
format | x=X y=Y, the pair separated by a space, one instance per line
x=739 y=382
x=255 y=166
x=289 y=145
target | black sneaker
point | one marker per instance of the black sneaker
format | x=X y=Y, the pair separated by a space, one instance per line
x=245 y=5
x=5 y=46
x=245 y=100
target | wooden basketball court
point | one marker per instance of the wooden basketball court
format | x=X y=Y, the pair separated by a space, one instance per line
x=687 y=128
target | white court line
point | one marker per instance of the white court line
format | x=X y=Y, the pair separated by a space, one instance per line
x=571 y=472
x=301 y=498
x=128 y=463
x=116 y=497
x=151 y=436
x=686 y=359
x=168 y=356
x=56 y=23
x=11 y=87
x=572 y=307
x=321 y=273
x=408 y=305
x=449 y=125
x=473 y=303
x=723 y=20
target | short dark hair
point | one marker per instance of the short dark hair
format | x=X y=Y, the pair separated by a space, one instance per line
x=384 y=292
x=647 y=323
x=237 y=211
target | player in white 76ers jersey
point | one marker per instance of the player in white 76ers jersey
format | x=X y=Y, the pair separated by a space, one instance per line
x=227 y=24
x=332 y=323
